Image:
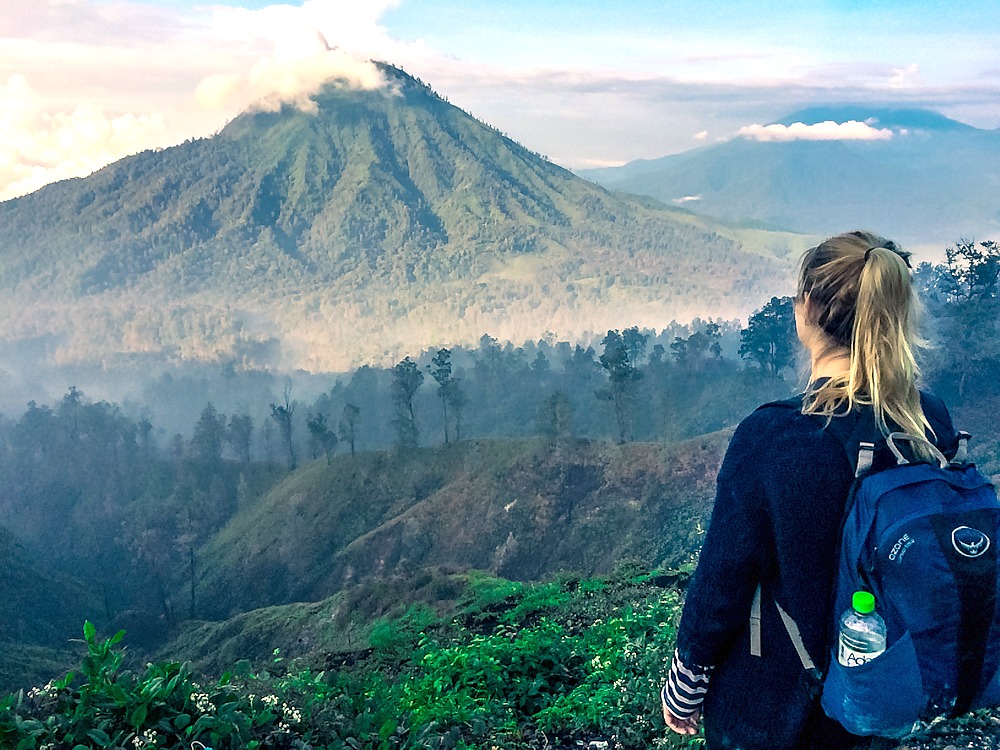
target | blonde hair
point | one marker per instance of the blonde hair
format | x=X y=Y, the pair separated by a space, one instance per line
x=860 y=295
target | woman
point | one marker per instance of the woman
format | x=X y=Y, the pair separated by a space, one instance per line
x=780 y=499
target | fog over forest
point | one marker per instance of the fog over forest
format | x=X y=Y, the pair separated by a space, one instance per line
x=336 y=416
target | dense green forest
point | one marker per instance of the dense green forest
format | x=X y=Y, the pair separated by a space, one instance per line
x=347 y=531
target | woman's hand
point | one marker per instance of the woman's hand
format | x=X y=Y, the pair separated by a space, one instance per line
x=682 y=726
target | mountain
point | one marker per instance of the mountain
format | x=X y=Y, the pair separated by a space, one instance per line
x=382 y=222
x=933 y=181
x=521 y=509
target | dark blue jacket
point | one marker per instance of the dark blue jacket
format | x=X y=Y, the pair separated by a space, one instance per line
x=776 y=521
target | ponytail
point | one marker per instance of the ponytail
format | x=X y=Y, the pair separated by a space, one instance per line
x=860 y=295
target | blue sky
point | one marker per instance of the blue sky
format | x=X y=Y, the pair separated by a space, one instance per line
x=587 y=83
x=832 y=29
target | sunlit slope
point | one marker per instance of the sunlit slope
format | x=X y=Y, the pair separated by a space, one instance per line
x=383 y=221
x=518 y=508
x=932 y=180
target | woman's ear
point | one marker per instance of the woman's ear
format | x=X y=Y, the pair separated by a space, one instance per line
x=807 y=308
x=803 y=319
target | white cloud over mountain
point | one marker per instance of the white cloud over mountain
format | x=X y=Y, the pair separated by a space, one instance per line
x=852 y=130
x=176 y=75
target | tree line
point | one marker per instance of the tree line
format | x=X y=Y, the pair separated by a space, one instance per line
x=100 y=494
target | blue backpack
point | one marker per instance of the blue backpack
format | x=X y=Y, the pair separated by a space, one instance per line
x=923 y=538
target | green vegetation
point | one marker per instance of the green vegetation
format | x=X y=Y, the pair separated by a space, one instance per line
x=385 y=222
x=566 y=662
x=516 y=508
x=509 y=666
x=359 y=568
x=103 y=522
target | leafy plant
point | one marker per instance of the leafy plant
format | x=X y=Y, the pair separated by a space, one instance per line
x=568 y=660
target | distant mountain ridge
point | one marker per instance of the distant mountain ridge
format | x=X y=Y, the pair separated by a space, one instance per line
x=933 y=181
x=896 y=119
x=386 y=221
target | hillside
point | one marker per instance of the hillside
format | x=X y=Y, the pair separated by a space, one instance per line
x=516 y=508
x=933 y=181
x=40 y=606
x=39 y=609
x=385 y=221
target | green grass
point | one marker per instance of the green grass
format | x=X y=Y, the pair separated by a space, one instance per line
x=504 y=665
x=520 y=508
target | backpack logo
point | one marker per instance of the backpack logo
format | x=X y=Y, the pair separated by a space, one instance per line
x=969 y=542
x=900 y=547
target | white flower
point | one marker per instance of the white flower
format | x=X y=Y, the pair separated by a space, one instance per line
x=145 y=740
x=203 y=703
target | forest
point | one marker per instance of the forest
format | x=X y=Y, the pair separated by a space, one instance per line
x=120 y=523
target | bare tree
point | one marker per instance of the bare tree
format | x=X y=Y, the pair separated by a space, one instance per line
x=282 y=414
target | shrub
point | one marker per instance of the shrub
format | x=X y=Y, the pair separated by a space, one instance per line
x=567 y=662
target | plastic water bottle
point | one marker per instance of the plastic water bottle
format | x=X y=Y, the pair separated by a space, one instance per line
x=862 y=632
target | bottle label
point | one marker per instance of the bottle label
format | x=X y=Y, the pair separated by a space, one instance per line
x=850 y=657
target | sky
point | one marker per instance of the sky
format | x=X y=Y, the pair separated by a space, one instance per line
x=586 y=83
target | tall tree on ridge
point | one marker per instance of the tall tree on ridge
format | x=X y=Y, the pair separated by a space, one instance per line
x=238 y=434
x=406 y=380
x=348 y=427
x=321 y=436
x=209 y=433
x=769 y=338
x=447 y=386
x=622 y=375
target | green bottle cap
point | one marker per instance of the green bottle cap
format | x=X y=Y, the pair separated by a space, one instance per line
x=863 y=602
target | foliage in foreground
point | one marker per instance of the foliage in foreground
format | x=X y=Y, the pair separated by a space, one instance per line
x=565 y=663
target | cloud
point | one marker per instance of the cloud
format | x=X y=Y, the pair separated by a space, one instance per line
x=600 y=163
x=852 y=130
x=347 y=24
x=82 y=21
x=701 y=135
x=272 y=81
x=38 y=146
x=903 y=76
x=687 y=199
x=300 y=49
x=581 y=98
x=89 y=82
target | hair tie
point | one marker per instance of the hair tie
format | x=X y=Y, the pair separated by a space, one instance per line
x=892 y=247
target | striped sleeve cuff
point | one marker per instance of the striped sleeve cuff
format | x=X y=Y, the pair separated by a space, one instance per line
x=685 y=688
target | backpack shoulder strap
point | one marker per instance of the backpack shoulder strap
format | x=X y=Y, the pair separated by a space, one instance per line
x=859 y=437
x=791 y=627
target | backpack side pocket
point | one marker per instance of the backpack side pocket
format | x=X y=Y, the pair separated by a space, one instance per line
x=883 y=697
x=990 y=697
